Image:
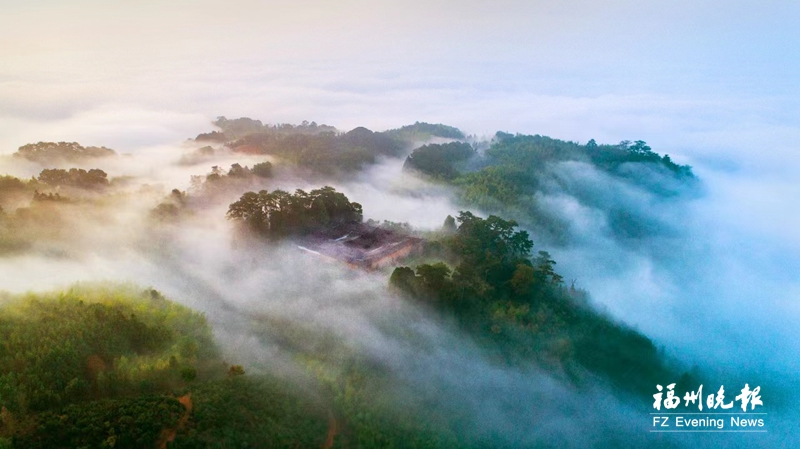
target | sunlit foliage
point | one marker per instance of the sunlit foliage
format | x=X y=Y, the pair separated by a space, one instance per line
x=46 y=152
x=278 y=213
x=421 y=131
x=74 y=177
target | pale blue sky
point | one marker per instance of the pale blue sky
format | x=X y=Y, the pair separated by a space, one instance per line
x=609 y=69
x=712 y=83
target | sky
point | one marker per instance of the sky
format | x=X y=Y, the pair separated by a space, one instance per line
x=677 y=74
x=712 y=83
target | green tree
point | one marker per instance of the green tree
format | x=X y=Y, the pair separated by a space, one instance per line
x=439 y=160
x=449 y=225
x=75 y=177
x=278 y=213
x=640 y=147
x=545 y=267
x=523 y=280
x=263 y=169
x=44 y=152
x=434 y=276
x=491 y=240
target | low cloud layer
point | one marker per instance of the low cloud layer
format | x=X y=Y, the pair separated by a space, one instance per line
x=714 y=295
x=714 y=281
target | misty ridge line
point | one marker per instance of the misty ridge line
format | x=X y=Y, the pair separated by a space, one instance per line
x=504 y=289
x=213 y=190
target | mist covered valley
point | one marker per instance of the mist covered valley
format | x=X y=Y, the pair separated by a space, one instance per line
x=547 y=288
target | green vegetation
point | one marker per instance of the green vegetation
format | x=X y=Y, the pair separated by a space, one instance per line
x=611 y=157
x=525 y=157
x=173 y=207
x=495 y=186
x=421 y=131
x=26 y=214
x=213 y=136
x=321 y=148
x=214 y=186
x=243 y=411
x=73 y=363
x=244 y=126
x=111 y=366
x=324 y=152
x=15 y=191
x=262 y=169
x=489 y=281
x=511 y=175
x=53 y=197
x=37 y=212
x=114 y=366
x=440 y=160
x=74 y=177
x=369 y=406
x=122 y=423
x=95 y=343
x=278 y=213
x=11 y=184
x=117 y=366
x=199 y=155
x=402 y=228
x=236 y=176
x=377 y=412
x=49 y=152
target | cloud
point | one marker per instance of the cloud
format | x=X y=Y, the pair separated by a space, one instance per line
x=708 y=83
x=698 y=292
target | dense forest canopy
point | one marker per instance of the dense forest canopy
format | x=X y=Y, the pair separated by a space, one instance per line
x=241 y=127
x=64 y=351
x=31 y=211
x=86 y=344
x=421 y=131
x=237 y=175
x=531 y=153
x=487 y=278
x=440 y=160
x=186 y=396
x=322 y=148
x=278 y=213
x=74 y=177
x=122 y=366
x=232 y=129
x=47 y=152
x=113 y=366
x=127 y=368
x=514 y=172
x=323 y=152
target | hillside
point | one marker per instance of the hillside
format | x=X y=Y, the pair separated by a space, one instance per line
x=324 y=322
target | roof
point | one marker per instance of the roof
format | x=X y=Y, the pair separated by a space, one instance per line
x=358 y=244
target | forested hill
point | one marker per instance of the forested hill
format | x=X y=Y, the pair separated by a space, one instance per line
x=59 y=152
x=340 y=352
x=322 y=148
x=481 y=272
x=107 y=366
x=515 y=175
x=522 y=159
